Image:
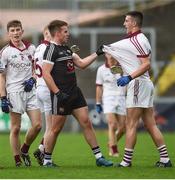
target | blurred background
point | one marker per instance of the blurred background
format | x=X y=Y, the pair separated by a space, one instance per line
x=96 y=22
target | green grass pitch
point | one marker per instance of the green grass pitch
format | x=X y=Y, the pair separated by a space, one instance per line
x=77 y=162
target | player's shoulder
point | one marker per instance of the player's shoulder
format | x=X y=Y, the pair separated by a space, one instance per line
x=51 y=45
x=41 y=46
x=142 y=37
x=5 y=49
x=102 y=67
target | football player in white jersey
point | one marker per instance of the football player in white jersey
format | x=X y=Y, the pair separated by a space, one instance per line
x=133 y=54
x=111 y=100
x=42 y=92
x=18 y=90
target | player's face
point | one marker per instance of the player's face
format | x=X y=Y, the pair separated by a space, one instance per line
x=64 y=34
x=129 y=23
x=15 y=33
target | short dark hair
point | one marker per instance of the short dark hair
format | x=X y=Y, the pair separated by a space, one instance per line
x=138 y=16
x=55 y=25
x=14 y=23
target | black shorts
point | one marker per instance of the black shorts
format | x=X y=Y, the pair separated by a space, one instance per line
x=75 y=101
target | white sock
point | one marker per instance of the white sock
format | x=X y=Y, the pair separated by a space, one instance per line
x=123 y=163
x=41 y=148
x=46 y=161
x=164 y=160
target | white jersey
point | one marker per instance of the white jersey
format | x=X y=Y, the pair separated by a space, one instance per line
x=18 y=65
x=38 y=56
x=128 y=51
x=109 y=82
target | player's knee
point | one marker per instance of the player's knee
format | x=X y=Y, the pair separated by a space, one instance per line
x=112 y=126
x=85 y=123
x=55 y=131
x=15 y=130
x=131 y=125
x=37 y=127
x=121 y=129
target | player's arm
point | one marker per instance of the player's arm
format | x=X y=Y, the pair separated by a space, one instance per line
x=47 y=68
x=99 y=92
x=145 y=66
x=83 y=63
x=2 y=82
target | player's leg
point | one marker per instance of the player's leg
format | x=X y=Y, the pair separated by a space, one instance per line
x=139 y=95
x=39 y=152
x=120 y=126
x=40 y=102
x=15 y=120
x=112 y=126
x=44 y=102
x=35 y=118
x=51 y=137
x=132 y=119
x=112 y=106
x=81 y=114
x=121 y=116
x=150 y=124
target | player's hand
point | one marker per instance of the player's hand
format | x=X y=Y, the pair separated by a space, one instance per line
x=99 y=108
x=100 y=51
x=28 y=84
x=5 y=104
x=75 y=48
x=61 y=96
x=124 y=80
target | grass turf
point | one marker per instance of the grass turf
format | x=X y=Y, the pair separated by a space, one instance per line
x=76 y=161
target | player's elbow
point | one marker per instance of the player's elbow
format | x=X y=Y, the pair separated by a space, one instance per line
x=147 y=66
x=82 y=65
x=45 y=75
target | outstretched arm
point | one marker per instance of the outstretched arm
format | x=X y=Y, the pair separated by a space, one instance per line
x=83 y=63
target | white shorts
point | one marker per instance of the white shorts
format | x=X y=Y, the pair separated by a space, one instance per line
x=43 y=99
x=114 y=104
x=140 y=93
x=23 y=101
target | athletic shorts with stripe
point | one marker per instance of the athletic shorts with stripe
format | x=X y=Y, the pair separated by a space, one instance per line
x=23 y=101
x=76 y=100
x=140 y=93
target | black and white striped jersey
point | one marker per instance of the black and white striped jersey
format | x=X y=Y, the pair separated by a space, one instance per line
x=63 y=71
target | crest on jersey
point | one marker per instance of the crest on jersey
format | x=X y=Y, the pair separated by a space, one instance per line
x=22 y=56
x=30 y=57
x=70 y=66
x=61 y=109
x=14 y=56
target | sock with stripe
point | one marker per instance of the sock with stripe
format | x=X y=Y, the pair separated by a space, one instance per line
x=97 y=152
x=127 y=158
x=164 y=158
x=17 y=159
x=47 y=158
